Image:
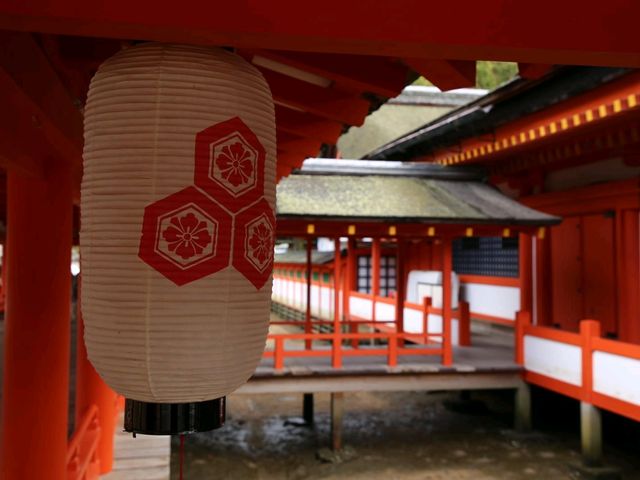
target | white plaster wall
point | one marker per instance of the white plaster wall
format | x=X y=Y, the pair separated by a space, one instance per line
x=428 y=283
x=553 y=359
x=326 y=302
x=385 y=312
x=494 y=300
x=361 y=307
x=617 y=376
x=412 y=320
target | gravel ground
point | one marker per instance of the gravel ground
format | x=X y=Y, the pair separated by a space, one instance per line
x=408 y=436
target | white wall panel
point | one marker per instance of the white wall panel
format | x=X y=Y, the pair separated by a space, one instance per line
x=494 y=300
x=553 y=359
x=360 y=307
x=617 y=376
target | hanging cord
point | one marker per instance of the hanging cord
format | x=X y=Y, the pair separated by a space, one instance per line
x=181 y=456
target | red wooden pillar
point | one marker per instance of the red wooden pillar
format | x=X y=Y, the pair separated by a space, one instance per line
x=91 y=390
x=307 y=316
x=375 y=275
x=447 y=349
x=3 y=293
x=543 y=314
x=348 y=278
x=336 y=360
x=37 y=327
x=400 y=288
x=526 y=275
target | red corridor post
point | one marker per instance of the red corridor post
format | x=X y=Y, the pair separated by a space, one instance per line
x=92 y=390
x=400 y=289
x=375 y=275
x=37 y=326
x=307 y=316
x=336 y=361
x=447 y=349
x=526 y=272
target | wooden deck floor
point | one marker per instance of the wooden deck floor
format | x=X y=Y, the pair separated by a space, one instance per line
x=488 y=364
x=146 y=457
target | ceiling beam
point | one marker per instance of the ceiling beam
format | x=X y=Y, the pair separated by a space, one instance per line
x=310 y=148
x=377 y=75
x=531 y=71
x=282 y=171
x=308 y=125
x=290 y=159
x=324 y=102
x=602 y=34
x=445 y=74
x=40 y=122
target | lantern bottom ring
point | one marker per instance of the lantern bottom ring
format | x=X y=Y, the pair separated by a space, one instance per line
x=149 y=418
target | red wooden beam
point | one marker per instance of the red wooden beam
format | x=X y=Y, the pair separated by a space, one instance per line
x=603 y=34
x=291 y=160
x=445 y=74
x=362 y=73
x=282 y=171
x=296 y=227
x=532 y=71
x=309 y=148
x=307 y=125
x=324 y=102
x=39 y=120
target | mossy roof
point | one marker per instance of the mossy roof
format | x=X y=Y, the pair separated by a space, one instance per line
x=401 y=199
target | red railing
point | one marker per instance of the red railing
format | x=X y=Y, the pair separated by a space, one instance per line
x=298 y=284
x=590 y=342
x=82 y=455
x=392 y=350
x=350 y=343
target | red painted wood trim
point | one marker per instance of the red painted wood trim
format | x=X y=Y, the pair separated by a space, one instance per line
x=592 y=198
x=616 y=405
x=553 y=334
x=617 y=348
x=492 y=319
x=486 y=280
x=558 y=386
x=330 y=228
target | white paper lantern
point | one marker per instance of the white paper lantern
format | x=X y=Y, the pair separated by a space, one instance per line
x=177 y=222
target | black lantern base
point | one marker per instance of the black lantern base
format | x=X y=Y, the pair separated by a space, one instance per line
x=173 y=418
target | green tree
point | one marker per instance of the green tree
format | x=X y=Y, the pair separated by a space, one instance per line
x=489 y=75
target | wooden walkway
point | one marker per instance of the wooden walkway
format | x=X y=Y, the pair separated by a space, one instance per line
x=146 y=457
x=488 y=364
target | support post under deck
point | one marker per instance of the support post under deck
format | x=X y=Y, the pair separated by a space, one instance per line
x=337 y=411
x=307 y=408
x=523 y=408
x=591 y=434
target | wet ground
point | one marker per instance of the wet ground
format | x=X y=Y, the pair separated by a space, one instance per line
x=404 y=436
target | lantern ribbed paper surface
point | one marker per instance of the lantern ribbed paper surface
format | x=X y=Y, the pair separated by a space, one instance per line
x=177 y=220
